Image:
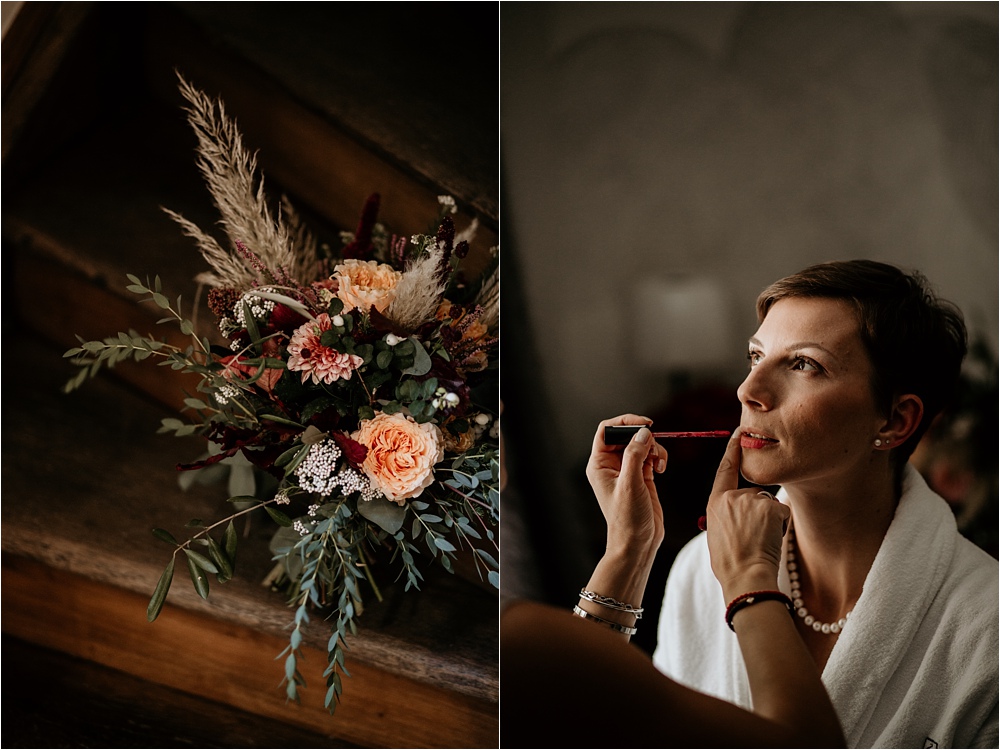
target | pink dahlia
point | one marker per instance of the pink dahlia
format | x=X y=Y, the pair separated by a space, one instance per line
x=312 y=359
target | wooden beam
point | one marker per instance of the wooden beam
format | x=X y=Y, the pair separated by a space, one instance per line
x=233 y=665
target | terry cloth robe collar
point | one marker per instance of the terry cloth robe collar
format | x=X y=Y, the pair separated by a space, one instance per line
x=905 y=577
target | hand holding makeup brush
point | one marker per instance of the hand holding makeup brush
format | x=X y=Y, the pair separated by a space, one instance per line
x=622 y=479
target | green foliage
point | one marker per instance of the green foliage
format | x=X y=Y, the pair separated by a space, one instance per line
x=322 y=553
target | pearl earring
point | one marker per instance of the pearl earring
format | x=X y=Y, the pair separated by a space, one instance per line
x=878 y=443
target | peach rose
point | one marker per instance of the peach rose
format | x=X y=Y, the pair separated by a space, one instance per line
x=401 y=454
x=365 y=283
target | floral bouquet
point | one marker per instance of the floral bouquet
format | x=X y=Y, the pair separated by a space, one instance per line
x=347 y=380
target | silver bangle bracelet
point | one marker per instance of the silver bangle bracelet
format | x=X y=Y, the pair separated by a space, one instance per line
x=613 y=625
x=607 y=601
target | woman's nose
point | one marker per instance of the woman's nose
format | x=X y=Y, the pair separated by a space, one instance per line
x=754 y=392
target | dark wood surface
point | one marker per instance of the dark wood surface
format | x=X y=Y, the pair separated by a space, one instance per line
x=417 y=82
x=59 y=701
x=92 y=478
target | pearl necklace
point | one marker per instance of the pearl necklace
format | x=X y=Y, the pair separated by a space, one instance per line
x=800 y=609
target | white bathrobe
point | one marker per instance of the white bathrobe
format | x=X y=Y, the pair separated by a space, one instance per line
x=916 y=665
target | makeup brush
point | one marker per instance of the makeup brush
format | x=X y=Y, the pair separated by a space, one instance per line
x=621 y=434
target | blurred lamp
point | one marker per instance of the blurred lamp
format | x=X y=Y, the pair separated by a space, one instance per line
x=682 y=324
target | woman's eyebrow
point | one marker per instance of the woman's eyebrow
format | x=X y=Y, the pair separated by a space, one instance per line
x=754 y=341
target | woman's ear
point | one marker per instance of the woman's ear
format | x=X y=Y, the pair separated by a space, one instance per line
x=907 y=411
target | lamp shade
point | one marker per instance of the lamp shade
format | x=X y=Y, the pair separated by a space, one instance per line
x=682 y=324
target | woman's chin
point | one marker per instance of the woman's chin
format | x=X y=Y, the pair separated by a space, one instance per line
x=754 y=472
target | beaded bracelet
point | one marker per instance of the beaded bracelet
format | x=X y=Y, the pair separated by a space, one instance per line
x=752 y=597
x=613 y=625
x=607 y=601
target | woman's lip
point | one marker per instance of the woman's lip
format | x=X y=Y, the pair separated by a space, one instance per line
x=750 y=439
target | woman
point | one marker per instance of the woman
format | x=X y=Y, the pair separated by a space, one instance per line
x=851 y=362
x=573 y=683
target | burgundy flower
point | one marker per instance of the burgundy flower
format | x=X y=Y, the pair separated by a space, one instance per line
x=362 y=246
x=284 y=318
x=354 y=451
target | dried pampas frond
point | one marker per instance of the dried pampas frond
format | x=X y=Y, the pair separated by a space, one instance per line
x=229 y=171
x=303 y=242
x=418 y=292
x=230 y=270
x=489 y=299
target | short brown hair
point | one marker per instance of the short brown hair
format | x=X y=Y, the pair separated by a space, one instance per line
x=915 y=341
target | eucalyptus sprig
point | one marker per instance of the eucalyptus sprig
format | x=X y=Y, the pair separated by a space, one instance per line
x=221 y=560
x=90 y=356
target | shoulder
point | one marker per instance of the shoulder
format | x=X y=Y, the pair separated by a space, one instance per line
x=971 y=589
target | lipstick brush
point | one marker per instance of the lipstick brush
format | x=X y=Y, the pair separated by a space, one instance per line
x=621 y=434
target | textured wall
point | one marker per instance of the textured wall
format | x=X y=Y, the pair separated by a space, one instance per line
x=739 y=142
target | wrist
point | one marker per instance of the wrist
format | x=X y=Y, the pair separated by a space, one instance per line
x=749 y=580
x=632 y=549
x=622 y=576
x=635 y=560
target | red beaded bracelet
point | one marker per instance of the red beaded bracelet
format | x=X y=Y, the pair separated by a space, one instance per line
x=752 y=597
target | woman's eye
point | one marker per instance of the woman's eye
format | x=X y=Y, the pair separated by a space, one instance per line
x=753 y=358
x=801 y=363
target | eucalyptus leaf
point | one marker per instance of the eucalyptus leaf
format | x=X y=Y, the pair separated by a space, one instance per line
x=488 y=558
x=229 y=541
x=160 y=592
x=219 y=557
x=198 y=578
x=165 y=535
x=251 y=325
x=279 y=420
x=279 y=518
x=201 y=561
x=312 y=435
x=443 y=544
x=383 y=513
x=287 y=456
x=421 y=361
x=430 y=385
